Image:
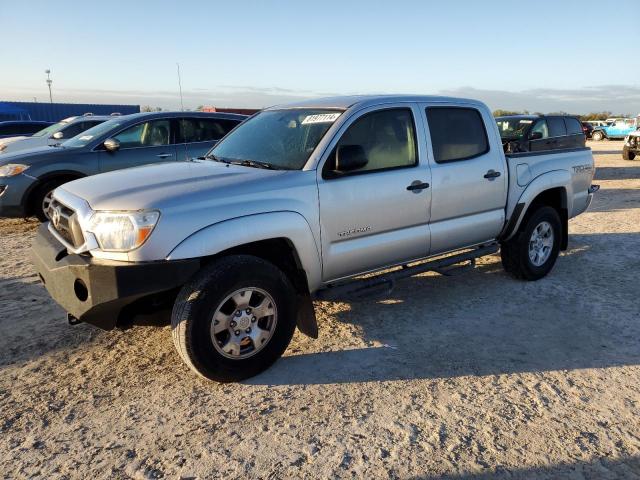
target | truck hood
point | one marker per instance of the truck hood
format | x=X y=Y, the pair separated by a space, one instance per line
x=170 y=185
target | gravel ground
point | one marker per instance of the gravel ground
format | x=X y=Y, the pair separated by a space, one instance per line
x=473 y=376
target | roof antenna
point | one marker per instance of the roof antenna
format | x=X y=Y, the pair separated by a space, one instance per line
x=180 y=86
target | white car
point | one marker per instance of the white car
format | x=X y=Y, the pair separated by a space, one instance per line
x=64 y=129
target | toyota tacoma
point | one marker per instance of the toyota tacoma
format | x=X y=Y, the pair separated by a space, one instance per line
x=298 y=203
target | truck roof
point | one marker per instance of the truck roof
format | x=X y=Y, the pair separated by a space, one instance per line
x=348 y=101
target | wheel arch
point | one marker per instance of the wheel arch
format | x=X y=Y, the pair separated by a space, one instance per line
x=551 y=189
x=66 y=175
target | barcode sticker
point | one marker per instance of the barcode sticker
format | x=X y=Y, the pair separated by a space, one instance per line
x=320 y=118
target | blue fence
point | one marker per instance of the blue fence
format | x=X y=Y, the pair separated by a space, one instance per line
x=53 y=112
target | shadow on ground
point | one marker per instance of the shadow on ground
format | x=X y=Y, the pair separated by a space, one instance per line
x=485 y=323
x=628 y=467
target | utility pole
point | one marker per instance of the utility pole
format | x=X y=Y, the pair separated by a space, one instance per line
x=180 y=87
x=49 y=82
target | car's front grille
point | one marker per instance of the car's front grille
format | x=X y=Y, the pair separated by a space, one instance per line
x=65 y=222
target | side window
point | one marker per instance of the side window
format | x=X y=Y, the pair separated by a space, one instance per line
x=30 y=129
x=542 y=127
x=556 y=127
x=204 y=129
x=147 y=134
x=457 y=133
x=73 y=130
x=10 y=130
x=387 y=138
x=573 y=126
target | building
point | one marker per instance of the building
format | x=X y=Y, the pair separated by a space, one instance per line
x=54 y=112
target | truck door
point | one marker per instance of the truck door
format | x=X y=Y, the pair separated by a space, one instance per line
x=377 y=214
x=469 y=178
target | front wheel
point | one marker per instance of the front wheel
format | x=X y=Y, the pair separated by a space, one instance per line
x=597 y=136
x=532 y=252
x=627 y=154
x=234 y=319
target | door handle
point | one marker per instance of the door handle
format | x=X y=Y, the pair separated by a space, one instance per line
x=492 y=174
x=417 y=185
x=165 y=155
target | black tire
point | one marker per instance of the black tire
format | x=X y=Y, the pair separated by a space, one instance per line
x=38 y=197
x=192 y=316
x=515 y=252
x=627 y=154
x=597 y=136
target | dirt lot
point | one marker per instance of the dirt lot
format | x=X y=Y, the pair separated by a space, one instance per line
x=468 y=376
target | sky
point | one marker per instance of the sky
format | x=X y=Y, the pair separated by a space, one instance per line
x=547 y=55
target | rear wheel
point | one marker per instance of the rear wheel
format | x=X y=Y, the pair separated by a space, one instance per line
x=234 y=319
x=532 y=252
x=597 y=136
x=627 y=154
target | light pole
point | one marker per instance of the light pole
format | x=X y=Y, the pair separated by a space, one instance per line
x=49 y=82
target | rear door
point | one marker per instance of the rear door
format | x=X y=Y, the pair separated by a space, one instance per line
x=469 y=178
x=558 y=134
x=377 y=215
x=141 y=144
x=197 y=135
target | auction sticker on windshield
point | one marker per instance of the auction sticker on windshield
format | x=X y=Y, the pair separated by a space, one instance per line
x=320 y=118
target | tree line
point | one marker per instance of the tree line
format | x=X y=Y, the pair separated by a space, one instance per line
x=585 y=117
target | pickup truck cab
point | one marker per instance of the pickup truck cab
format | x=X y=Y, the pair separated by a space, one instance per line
x=535 y=133
x=297 y=203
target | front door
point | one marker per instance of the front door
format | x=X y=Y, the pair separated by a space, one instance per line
x=376 y=215
x=469 y=178
x=141 y=144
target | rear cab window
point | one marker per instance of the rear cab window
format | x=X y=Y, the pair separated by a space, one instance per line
x=457 y=133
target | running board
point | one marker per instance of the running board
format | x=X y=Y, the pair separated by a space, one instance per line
x=384 y=283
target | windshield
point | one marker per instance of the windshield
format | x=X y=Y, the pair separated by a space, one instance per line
x=513 y=128
x=91 y=134
x=281 y=138
x=51 y=129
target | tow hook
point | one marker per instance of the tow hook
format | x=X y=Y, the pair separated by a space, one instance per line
x=72 y=320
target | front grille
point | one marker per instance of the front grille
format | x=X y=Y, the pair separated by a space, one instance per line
x=65 y=221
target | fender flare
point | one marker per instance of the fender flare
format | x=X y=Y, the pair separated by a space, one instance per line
x=239 y=231
x=542 y=183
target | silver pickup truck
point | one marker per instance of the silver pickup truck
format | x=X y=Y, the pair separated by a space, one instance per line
x=298 y=203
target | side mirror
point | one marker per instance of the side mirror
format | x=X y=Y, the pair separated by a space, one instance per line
x=350 y=158
x=58 y=136
x=111 y=144
x=535 y=136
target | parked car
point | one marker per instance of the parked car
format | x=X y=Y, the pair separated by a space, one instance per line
x=296 y=203
x=23 y=128
x=533 y=133
x=587 y=129
x=631 y=146
x=617 y=128
x=27 y=177
x=53 y=134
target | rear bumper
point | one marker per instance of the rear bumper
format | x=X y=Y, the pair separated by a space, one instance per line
x=100 y=292
x=592 y=190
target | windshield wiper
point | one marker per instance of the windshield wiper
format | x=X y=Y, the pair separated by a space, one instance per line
x=254 y=164
x=215 y=159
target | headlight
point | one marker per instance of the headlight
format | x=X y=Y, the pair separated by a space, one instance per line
x=122 y=231
x=12 y=169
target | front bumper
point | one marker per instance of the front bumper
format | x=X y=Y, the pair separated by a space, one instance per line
x=13 y=191
x=100 y=292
